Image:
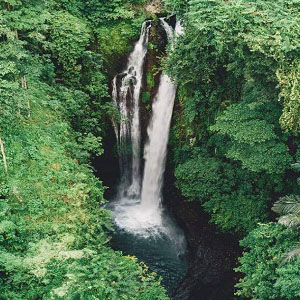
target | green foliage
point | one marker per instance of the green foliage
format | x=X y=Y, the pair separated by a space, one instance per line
x=231 y=66
x=69 y=37
x=57 y=271
x=237 y=212
x=146 y=97
x=178 y=6
x=150 y=80
x=253 y=140
x=108 y=11
x=114 y=39
x=236 y=200
x=288 y=280
x=53 y=234
x=265 y=275
x=53 y=88
x=288 y=78
x=116 y=24
x=289 y=209
x=152 y=46
x=263 y=29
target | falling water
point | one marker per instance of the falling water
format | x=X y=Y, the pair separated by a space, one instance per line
x=156 y=149
x=143 y=215
x=143 y=228
x=126 y=95
x=158 y=132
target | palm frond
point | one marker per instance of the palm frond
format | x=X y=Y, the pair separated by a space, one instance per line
x=287 y=205
x=292 y=254
x=296 y=166
x=290 y=221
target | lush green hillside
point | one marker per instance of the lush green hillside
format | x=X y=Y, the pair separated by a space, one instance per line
x=236 y=130
x=54 y=241
x=53 y=109
x=234 y=141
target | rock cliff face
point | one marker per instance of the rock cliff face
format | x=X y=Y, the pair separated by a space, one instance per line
x=152 y=71
x=154 y=7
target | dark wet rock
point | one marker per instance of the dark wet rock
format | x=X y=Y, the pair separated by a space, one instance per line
x=211 y=256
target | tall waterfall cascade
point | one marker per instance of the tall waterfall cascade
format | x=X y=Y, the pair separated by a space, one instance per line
x=158 y=132
x=138 y=208
x=126 y=95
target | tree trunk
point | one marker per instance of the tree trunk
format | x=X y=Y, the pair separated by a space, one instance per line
x=24 y=86
x=3 y=155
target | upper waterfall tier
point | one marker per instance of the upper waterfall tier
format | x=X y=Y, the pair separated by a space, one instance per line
x=126 y=96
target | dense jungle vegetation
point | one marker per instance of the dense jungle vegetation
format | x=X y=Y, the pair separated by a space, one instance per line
x=234 y=140
x=236 y=131
x=54 y=104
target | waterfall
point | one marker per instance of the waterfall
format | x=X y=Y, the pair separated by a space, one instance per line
x=143 y=228
x=126 y=96
x=158 y=133
x=143 y=214
x=156 y=149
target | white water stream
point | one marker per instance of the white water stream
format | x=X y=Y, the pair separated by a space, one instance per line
x=126 y=96
x=134 y=212
x=158 y=133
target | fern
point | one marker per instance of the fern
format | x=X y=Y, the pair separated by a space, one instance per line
x=288 y=205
